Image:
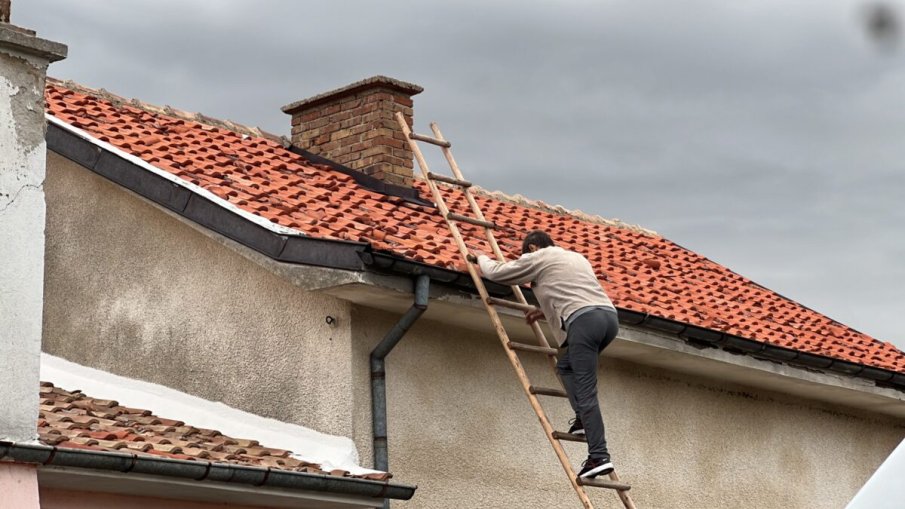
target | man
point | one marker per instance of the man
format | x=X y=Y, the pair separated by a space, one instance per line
x=583 y=320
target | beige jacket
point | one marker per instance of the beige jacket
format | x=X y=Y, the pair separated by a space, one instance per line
x=563 y=282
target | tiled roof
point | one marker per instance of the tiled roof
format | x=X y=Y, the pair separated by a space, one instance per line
x=75 y=421
x=640 y=270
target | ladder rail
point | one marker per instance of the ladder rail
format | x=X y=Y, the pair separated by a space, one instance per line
x=494 y=317
x=553 y=437
x=491 y=239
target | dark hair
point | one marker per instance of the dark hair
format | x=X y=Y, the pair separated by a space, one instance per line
x=537 y=238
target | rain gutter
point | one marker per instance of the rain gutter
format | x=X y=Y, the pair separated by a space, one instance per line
x=201 y=471
x=378 y=371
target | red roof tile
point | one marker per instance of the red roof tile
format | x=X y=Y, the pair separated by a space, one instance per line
x=641 y=271
x=76 y=421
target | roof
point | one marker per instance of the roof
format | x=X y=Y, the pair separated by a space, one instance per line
x=640 y=270
x=73 y=420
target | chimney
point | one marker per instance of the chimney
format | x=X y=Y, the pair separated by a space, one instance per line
x=23 y=65
x=355 y=126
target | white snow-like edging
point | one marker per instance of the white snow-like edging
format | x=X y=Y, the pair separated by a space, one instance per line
x=276 y=228
x=330 y=451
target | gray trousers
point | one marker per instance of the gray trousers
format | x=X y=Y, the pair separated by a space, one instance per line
x=587 y=336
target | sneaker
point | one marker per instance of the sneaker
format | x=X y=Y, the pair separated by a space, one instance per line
x=577 y=427
x=592 y=467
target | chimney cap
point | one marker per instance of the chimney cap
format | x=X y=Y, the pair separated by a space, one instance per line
x=384 y=82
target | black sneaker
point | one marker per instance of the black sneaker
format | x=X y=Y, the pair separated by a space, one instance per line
x=577 y=427
x=592 y=467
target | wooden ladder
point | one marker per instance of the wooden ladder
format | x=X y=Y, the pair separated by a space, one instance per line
x=490 y=303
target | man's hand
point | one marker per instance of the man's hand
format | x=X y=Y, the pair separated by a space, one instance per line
x=472 y=258
x=533 y=316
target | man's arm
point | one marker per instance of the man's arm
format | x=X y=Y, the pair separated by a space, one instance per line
x=516 y=272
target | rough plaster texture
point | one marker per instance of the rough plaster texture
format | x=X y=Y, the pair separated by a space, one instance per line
x=64 y=499
x=133 y=290
x=18 y=486
x=460 y=428
x=22 y=155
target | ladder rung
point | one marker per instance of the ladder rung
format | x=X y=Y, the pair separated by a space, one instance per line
x=546 y=391
x=601 y=483
x=559 y=435
x=448 y=180
x=531 y=348
x=510 y=304
x=471 y=220
x=428 y=139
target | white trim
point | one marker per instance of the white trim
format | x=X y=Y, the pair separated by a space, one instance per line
x=260 y=221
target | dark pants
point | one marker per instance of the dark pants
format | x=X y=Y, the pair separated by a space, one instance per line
x=587 y=336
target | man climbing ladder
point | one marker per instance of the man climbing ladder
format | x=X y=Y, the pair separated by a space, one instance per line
x=585 y=345
x=583 y=320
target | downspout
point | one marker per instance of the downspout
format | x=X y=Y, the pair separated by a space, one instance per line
x=378 y=371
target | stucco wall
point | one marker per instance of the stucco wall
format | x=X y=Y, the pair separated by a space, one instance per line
x=21 y=233
x=65 y=499
x=132 y=290
x=460 y=428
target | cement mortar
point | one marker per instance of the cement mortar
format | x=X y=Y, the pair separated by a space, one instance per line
x=134 y=291
x=463 y=431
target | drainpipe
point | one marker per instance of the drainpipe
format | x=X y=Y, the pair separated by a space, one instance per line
x=378 y=371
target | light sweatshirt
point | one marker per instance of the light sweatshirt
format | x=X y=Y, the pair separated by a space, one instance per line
x=563 y=282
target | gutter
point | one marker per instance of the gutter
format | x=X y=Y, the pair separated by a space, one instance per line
x=378 y=371
x=201 y=471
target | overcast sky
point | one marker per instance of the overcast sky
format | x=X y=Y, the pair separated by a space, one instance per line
x=766 y=135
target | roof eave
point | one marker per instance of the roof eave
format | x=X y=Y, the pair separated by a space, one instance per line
x=200 y=470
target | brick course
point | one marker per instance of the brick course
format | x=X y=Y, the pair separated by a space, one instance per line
x=356 y=126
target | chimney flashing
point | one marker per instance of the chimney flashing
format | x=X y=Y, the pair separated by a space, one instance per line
x=386 y=82
x=355 y=126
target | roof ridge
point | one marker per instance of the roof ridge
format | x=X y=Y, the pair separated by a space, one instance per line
x=518 y=199
x=119 y=101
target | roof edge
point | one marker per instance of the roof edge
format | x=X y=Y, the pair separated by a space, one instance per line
x=200 y=470
x=378 y=81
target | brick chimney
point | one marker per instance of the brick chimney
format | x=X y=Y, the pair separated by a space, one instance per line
x=355 y=126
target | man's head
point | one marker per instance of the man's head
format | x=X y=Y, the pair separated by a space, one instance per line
x=538 y=239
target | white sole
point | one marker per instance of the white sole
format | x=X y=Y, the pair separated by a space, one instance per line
x=579 y=432
x=597 y=470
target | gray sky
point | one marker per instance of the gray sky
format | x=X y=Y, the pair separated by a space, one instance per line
x=765 y=135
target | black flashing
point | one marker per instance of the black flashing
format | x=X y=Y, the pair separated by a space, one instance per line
x=809 y=360
x=408 y=194
x=846 y=367
x=323 y=253
x=665 y=325
x=779 y=353
x=704 y=336
x=208 y=214
x=879 y=375
x=153 y=187
x=72 y=147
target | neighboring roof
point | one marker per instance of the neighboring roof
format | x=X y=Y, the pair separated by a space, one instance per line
x=641 y=271
x=72 y=420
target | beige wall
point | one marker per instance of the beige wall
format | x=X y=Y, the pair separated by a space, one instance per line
x=135 y=291
x=460 y=428
x=132 y=290
x=63 y=499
